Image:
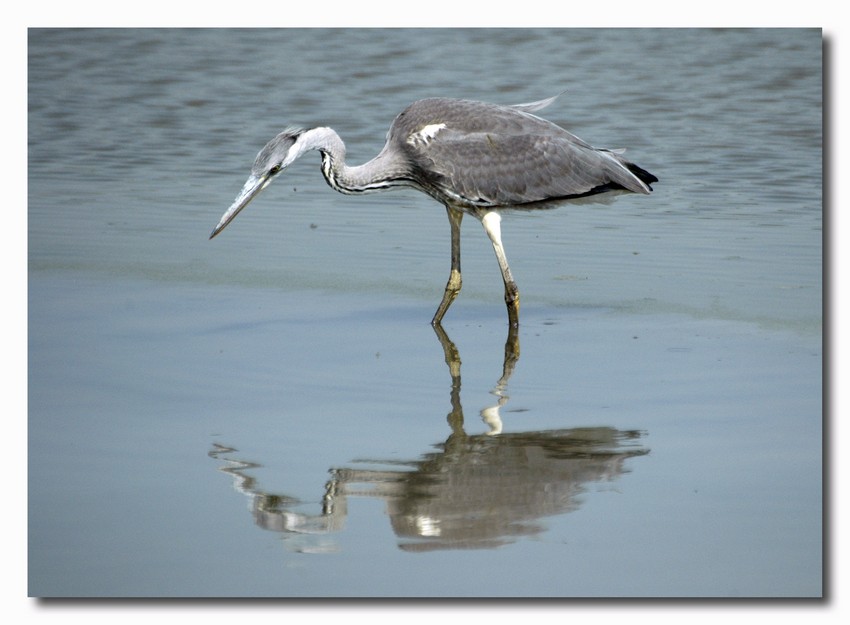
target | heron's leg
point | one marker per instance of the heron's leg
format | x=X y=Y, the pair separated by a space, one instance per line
x=492 y=225
x=454 y=283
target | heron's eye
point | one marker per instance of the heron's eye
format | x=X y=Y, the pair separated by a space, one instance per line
x=274 y=169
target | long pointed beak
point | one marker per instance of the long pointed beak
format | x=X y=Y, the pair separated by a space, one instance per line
x=252 y=188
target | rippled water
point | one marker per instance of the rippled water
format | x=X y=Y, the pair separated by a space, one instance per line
x=270 y=413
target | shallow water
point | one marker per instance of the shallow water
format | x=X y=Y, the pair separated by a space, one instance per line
x=271 y=414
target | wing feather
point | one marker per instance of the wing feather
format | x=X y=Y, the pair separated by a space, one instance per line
x=491 y=155
x=497 y=169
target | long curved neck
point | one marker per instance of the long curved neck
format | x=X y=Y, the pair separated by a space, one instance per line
x=382 y=172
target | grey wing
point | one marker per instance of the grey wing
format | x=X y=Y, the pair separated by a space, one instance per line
x=488 y=169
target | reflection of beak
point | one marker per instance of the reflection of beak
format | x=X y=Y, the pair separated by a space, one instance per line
x=252 y=188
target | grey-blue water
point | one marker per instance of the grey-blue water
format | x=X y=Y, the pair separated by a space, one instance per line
x=271 y=414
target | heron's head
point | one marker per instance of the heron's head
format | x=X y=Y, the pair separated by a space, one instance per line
x=276 y=156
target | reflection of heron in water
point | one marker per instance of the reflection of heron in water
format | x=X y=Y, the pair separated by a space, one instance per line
x=474 y=491
x=473 y=157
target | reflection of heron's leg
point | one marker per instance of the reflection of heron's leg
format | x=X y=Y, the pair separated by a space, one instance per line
x=455 y=417
x=491 y=415
x=454 y=283
x=451 y=354
x=511 y=354
x=491 y=222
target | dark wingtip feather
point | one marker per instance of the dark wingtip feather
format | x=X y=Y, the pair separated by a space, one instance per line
x=642 y=174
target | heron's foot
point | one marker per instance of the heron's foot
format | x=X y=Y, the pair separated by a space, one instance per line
x=451 y=292
x=448 y=298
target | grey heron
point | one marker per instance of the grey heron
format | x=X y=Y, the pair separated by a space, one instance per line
x=474 y=157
